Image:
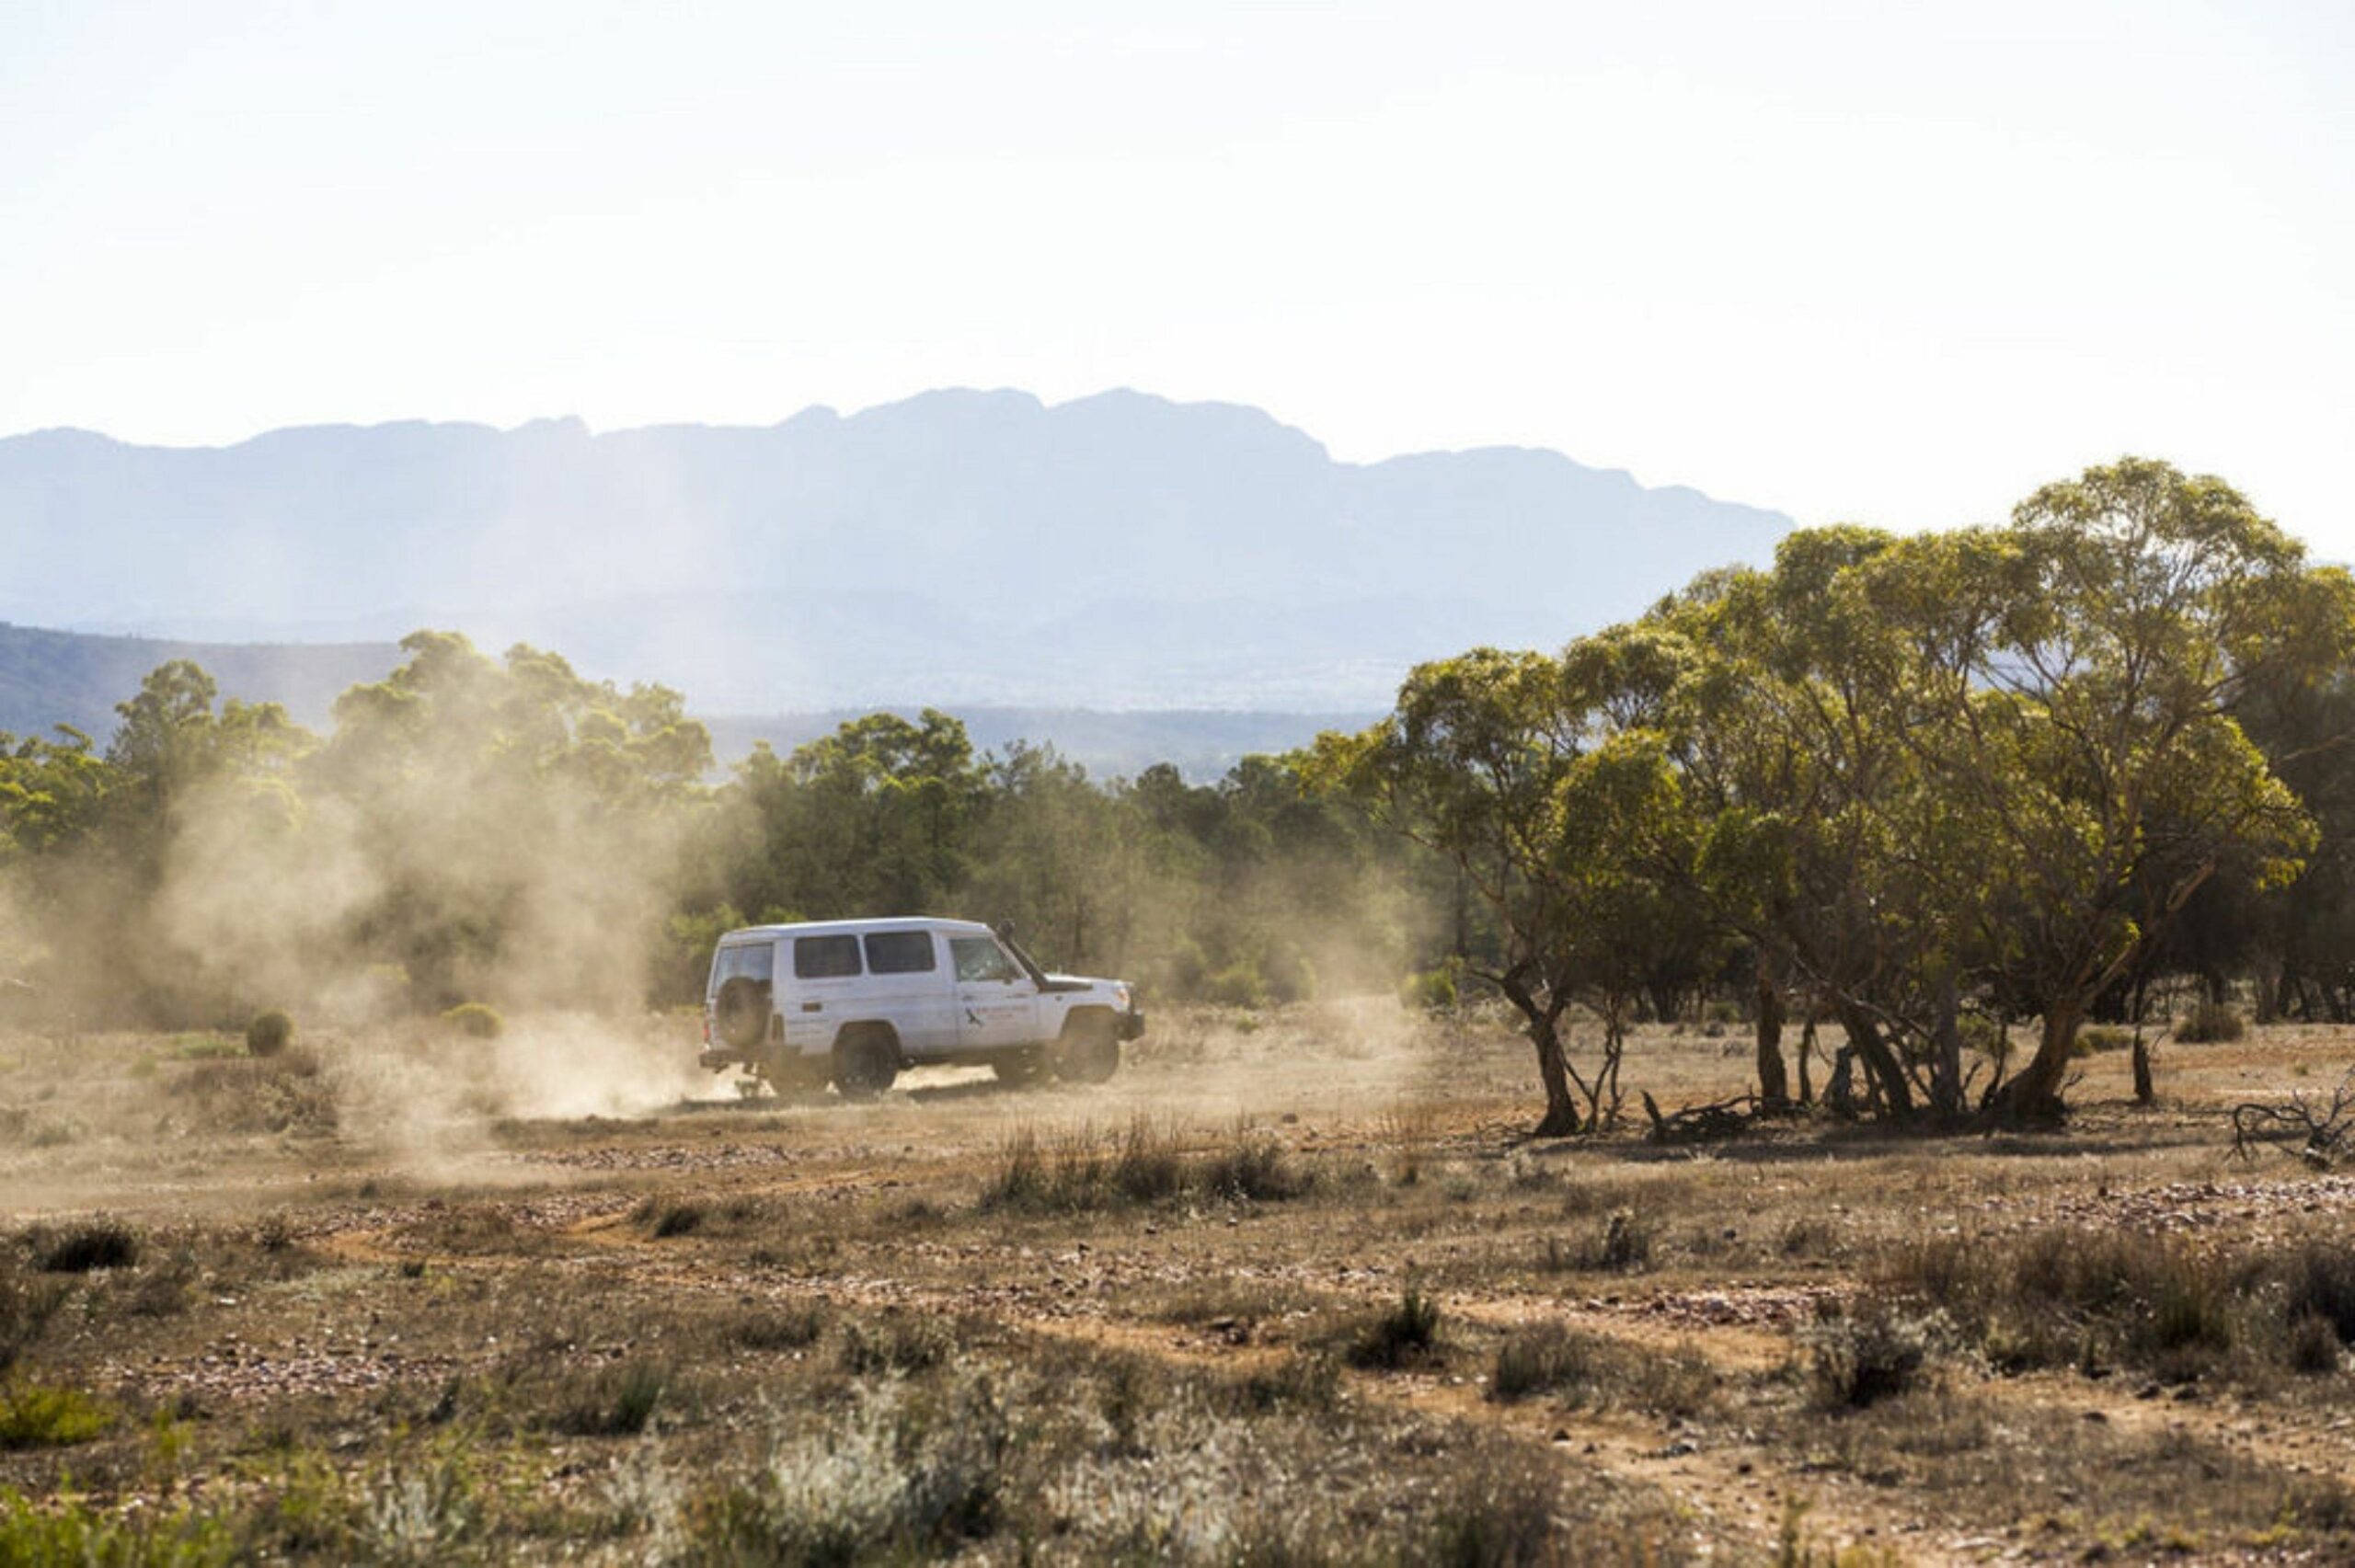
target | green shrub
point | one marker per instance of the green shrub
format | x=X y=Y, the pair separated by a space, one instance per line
x=1980 y=1034
x=35 y=1417
x=2210 y=1022
x=1239 y=984
x=1433 y=990
x=479 y=1020
x=270 y=1033
x=69 y=1531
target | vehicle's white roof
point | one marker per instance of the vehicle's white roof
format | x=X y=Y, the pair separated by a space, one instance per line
x=833 y=928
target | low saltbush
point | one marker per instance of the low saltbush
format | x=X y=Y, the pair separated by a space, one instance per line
x=33 y=1415
x=270 y=1033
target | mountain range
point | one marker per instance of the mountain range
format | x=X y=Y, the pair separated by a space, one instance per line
x=959 y=548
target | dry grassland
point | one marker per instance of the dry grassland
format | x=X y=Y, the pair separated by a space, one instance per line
x=1291 y=1289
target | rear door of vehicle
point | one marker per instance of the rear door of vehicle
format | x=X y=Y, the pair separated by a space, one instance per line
x=754 y=959
x=908 y=982
x=997 y=1005
x=824 y=988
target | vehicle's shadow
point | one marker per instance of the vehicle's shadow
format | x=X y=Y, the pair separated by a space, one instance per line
x=964 y=1091
x=979 y=1089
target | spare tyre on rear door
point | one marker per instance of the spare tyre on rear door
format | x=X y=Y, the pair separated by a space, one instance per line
x=740 y=1014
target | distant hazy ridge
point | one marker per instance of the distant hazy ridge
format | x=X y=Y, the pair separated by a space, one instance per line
x=70 y=678
x=959 y=548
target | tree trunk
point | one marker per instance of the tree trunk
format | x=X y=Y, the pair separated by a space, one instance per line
x=1561 y=1118
x=1807 y=1051
x=1774 y=1082
x=2035 y=1094
x=1607 y=1096
x=1889 y=1073
x=2144 y=1094
x=1945 y=1072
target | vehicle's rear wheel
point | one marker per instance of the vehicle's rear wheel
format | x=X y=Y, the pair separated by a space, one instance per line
x=1090 y=1050
x=1020 y=1068
x=865 y=1062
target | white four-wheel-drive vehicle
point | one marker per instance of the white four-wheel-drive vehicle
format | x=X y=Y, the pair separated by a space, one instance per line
x=852 y=1002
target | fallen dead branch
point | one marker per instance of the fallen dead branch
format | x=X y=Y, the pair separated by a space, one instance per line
x=2319 y=1131
x=1712 y=1123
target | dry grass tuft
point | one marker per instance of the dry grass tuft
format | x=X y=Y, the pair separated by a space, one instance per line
x=1405 y=1335
x=84 y=1249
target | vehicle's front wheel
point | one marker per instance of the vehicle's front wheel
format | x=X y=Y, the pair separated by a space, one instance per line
x=1090 y=1050
x=865 y=1064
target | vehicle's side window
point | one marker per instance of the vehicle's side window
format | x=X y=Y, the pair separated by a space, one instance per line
x=824 y=957
x=979 y=959
x=899 y=952
x=755 y=961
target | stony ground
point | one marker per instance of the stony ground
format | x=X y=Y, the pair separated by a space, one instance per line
x=1292 y=1287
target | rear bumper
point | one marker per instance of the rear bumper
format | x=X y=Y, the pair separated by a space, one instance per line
x=1131 y=1026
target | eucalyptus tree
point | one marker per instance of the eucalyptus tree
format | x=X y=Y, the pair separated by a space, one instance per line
x=2091 y=743
x=1533 y=777
x=1799 y=784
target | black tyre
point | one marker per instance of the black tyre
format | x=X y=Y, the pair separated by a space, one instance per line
x=1020 y=1068
x=1090 y=1050
x=865 y=1064
x=740 y=1014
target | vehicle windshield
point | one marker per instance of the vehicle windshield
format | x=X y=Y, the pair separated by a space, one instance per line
x=980 y=958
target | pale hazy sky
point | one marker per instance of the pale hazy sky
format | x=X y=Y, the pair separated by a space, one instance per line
x=1893 y=262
